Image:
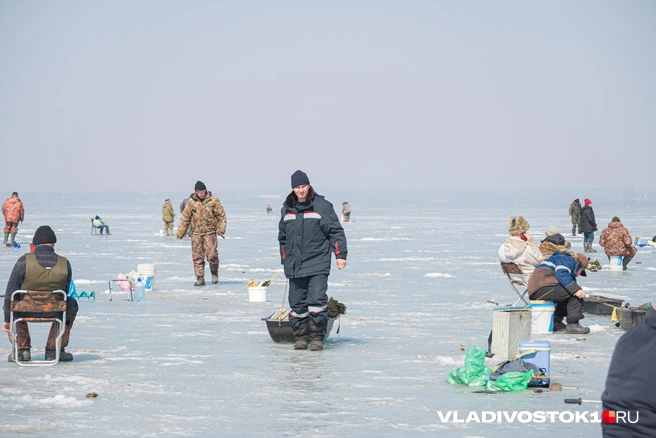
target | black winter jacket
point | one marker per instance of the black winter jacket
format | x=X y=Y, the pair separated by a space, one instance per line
x=307 y=234
x=587 y=222
x=630 y=385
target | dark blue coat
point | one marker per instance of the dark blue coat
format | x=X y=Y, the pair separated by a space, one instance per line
x=630 y=385
x=308 y=233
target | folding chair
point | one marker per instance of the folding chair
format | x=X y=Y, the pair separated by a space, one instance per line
x=37 y=306
x=94 y=230
x=516 y=277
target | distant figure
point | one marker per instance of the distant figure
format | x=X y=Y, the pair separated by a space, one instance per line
x=14 y=213
x=587 y=225
x=42 y=270
x=168 y=216
x=183 y=204
x=630 y=386
x=520 y=248
x=555 y=280
x=574 y=215
x=98 y=223
x=309 y=233
x=617 y=241
x=346 y=211
x=205 y=213
x=269 y=209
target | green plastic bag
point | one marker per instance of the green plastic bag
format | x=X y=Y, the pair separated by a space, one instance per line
x=474 y=372
x=511 y=381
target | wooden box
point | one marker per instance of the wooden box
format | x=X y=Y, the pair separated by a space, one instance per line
x=510 y=325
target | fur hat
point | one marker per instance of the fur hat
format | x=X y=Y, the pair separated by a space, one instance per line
x=44 y=234
x=299 y=178
x=583 y=260
x=517 y=225
x=199 y=186
x=616 y=219
x=586 y=201
x=556 y=239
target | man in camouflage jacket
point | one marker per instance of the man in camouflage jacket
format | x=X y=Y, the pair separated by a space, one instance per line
x=14 y=213
x=168 y=216
x=617 y=241
x=205 y=214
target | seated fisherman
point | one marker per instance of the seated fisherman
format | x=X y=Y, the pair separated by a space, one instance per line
x=555 y=280
x=42 y=270
x=617 y=241
x=98 y=223
x=520 y=248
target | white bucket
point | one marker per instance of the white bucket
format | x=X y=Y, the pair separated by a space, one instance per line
x=257 y=294
x=542 y=316
x=616 y=263
x=147 y=272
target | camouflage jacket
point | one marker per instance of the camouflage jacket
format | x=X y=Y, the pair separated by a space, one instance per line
x=167 y=213
x=205 y=217
x=575 y=211
x=616 y=240
x=13 y=210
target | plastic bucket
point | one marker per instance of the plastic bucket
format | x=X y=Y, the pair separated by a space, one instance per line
x=616 y=263
x=147 y=272
x=257 y=294
x=542 y=315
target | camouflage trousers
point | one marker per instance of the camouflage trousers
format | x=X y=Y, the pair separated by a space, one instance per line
x=202 y=247
x=168 y=225
x=11 y=227
x=24 y=340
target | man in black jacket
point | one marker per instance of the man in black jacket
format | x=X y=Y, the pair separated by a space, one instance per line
x=309 y=233
x=587 y=225
x=630 y=387
x=42 y=270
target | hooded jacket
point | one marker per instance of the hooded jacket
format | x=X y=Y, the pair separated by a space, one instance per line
x=587 y=223
x=168 y=215
x=515 y=250
x=575 y=211
x=617 y=241
x=13 y=210
x=630 y=385
x=308 y=233
x=205 y=216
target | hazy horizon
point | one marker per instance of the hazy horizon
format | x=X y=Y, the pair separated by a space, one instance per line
x=155 y=95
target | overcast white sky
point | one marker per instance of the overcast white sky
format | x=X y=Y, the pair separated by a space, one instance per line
x=154 y=95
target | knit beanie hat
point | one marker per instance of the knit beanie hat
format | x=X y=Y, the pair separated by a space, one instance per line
x=44 y=234
x=299 y=178
x=616 y=219
x=199 y=186
x=14 y=194
x=586 y=201
x=517 y=225
x=552 y=230
x=556 y=239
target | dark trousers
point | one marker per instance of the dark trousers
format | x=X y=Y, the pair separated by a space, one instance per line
x=566 y=304
x=308 y=297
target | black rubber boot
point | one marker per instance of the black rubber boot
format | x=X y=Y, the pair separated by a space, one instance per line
x=575 y=328
x=6 y=237
x=625 y=262
x=558 y=325
x=13 y=239
x=63 y=355
x=302 y=334
x=24 y=355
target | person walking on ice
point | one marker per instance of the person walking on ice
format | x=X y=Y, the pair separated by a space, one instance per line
x=309 y=233
x=204 y=213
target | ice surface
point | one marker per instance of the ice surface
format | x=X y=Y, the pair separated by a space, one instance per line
x=199 y=361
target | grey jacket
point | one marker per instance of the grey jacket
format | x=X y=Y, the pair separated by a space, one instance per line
x=308 y=233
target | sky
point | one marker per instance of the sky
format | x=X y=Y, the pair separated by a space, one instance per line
x=155 y=95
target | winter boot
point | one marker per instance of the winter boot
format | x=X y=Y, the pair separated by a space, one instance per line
x=317 y=333
x=215 y=273
x=200 y=281
x=6 y=237
x=590 y=248
x=302 y=334
x=573 y=230
x=24 y=355
x=625 y=262
x=575 y=328
x=558 y=325
x=63 y=355
x=13 y=239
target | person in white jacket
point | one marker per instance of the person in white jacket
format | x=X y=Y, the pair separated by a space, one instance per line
x=520 y=248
